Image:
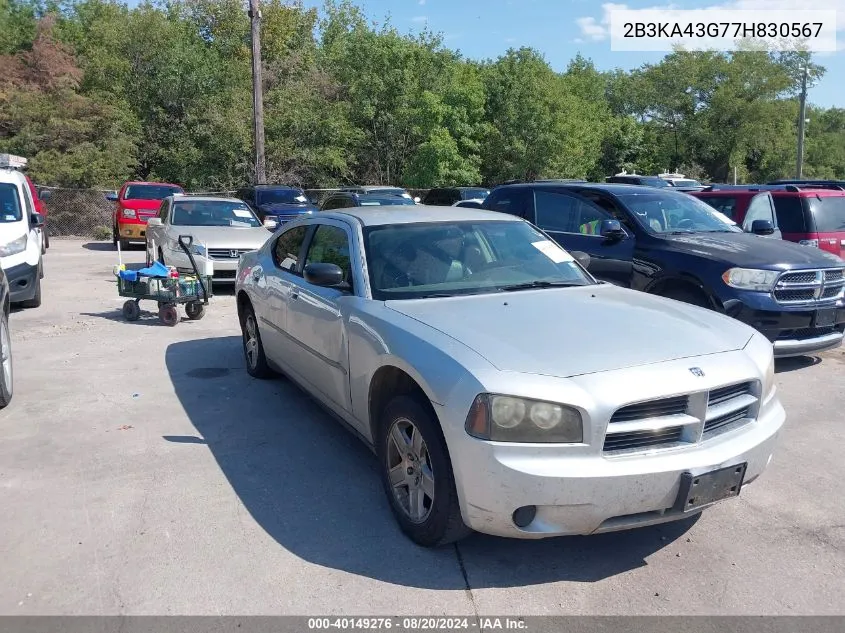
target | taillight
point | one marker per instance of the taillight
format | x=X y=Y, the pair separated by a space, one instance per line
x=129 y=213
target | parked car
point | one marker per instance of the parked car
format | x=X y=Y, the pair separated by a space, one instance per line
x=681 y=182
x=41 y=209
x=743 y=205
x=380 y=190
x=136 y=203
x=276 y=204
x=636 y=179
x=448 y=196
x=501 y=387
x=672 y=244
x=347 y=199
x=21 y=246
x=470 y=204
x=6 y=374
x=223 y=230
x=833 y=184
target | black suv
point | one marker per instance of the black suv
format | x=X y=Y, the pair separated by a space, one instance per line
x=671 y=244
x=447 y=196
x=277 y=203
x=349 y=199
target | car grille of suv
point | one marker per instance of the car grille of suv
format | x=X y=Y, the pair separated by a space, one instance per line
x=226 y=253
x=809 y=286
x=671 y=422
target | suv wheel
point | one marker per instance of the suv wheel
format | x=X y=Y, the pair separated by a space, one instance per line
x=6 y=376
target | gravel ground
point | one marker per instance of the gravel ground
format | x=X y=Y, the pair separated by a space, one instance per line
x=143 y=472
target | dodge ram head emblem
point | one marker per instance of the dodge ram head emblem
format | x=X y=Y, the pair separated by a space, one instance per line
x=696 y=371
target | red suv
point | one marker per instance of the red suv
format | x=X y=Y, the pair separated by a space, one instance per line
x=809 y=215
x=137 y=202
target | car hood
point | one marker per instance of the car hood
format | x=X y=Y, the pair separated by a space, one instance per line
x=223 y=236
x=283 y=207
x=574 y=331
x=140 y=205
x=747 y=250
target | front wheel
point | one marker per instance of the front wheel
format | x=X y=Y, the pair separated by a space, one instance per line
x=131 y=310
x=36 y=298
x=168 y=315
x=417 y=474
x=256 y=361
x=195 y=310
x=6 y=382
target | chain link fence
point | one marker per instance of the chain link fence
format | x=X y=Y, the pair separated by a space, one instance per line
x=89 y=214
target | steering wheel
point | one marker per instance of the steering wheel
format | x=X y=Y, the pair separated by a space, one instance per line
x=686 y=223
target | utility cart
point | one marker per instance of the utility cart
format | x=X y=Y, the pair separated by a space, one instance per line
x=159 y=283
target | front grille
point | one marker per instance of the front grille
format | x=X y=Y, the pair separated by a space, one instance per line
x=643 y=439
x=653 y=409
x=785 y=296
x=806 y=332
x=799 y=278
x=831 y=292
x=724 y=394
x=226 y=253
x=225 y=274
x=726 y=420
x=833 y=275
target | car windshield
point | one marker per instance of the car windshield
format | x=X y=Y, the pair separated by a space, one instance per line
x=213 y=213
x=150 y=192
x=280 y=196
x=474 y=194
x=443 y=259
x=675 y=213
x=389 y=190
x=379 y=200
x=829 y=213
x=10 y=205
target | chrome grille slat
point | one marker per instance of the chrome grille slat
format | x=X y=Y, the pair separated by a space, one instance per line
x=652 y=409
x=226 y=253
x=642 y=439
x=724 y=421
x=723 y=394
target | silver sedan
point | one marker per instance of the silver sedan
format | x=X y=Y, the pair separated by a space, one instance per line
x=502 y=388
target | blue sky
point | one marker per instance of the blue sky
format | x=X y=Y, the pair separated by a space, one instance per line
x=562 y=28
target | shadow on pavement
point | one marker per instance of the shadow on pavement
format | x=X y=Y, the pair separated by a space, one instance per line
x=314 y=488
x=795 y=363
x=148 y=316
x=100 y=246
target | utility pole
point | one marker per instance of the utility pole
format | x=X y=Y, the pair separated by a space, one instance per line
x=257 y=93
x=802 y=119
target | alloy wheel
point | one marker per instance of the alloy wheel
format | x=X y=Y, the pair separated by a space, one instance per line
x=5 y=356
x=251 y=342
x=409 y=469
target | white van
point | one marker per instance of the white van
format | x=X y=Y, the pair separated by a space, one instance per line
x=20 y=234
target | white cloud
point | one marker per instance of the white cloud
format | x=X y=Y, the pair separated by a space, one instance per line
x=421 y=2
x=420 y=19
x=598 y=30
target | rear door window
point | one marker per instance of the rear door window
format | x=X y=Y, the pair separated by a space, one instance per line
x=790 y=214
x=829 y=213
x=723 y=204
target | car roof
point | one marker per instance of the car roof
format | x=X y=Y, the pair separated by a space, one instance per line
x=206 y=199
x=146 y=182
x=286 y=187
x=11 y=176
x=609 y=187
x=781 y=190
x=413 y=214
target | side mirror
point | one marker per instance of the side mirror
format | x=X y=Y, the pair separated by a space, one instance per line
x=154 y=222
x=37 y=220
x=322 y=274
x=582 y=258
x=611 y=229
x=762 y=227
x=111 y=196
x=44 y=194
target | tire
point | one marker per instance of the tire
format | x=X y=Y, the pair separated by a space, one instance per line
x=195 y=310
x=46 y=239
x=256 y=360
x=36 y=298
x=687 y=296
x=6 y=373
x=131 y=310
x=114 y=236
x=427 y=519
x=124 y=245
x=168 y=315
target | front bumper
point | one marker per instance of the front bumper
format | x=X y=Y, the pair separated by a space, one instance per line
x=22 y=281
x=132 y=231
x=224 y=271
x=791 y=329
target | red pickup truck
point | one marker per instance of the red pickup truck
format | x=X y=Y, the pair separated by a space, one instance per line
x=136 y=203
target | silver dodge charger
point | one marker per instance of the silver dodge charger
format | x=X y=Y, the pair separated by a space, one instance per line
x=502 y=388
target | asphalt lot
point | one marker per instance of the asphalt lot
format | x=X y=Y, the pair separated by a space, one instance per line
x=143 y=472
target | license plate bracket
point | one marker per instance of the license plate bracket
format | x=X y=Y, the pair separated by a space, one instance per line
x=698 y=491
x=825 y=318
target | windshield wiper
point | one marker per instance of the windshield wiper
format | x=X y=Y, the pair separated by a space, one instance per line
x=529 y=285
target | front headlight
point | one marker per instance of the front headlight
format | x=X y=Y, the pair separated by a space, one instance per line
x=130 y=213
x=198 y=249
x=511 y=419
x=14 y=247
x=750 y=279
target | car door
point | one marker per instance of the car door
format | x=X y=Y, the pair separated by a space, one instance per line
x=574 y=222
x=317 y=340
x=280 y=271
x=761 y=207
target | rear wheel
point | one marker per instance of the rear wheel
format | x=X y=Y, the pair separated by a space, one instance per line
x=417 y=474
x=124 y=245
x=6 y=377
x=195 y=310
x=168 y=315
x=256 y=361
x=114 y=236
x=131 y=310
x=687 y=295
